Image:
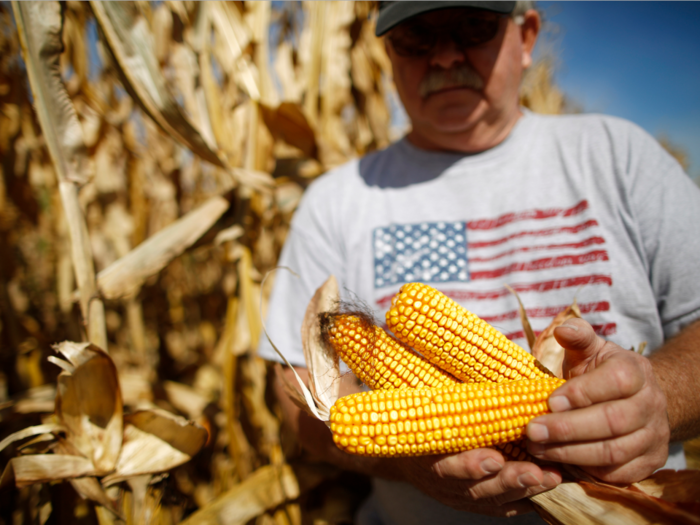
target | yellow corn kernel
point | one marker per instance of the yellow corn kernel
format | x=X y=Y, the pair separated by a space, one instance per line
x=516 y=451
x=456 y=340
x=376 y=358
x=446 y=420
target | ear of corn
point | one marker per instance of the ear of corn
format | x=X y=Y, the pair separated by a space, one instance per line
x=383 y=363
x=409 y=422
x=376 y=358
x=456 y=340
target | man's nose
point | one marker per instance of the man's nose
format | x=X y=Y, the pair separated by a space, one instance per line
x=446 y=53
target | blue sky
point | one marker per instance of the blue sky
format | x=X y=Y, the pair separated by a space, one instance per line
x=635 y=60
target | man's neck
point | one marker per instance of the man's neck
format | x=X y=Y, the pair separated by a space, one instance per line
x=477 y=139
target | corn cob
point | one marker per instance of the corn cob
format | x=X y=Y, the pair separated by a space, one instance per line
x=409 y=422
x=456 y=340
x=376 y=358
x=383 y=363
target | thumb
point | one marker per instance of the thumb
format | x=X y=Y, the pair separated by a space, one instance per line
x=580 y=343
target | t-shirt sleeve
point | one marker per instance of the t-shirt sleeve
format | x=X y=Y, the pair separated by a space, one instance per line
x=313 y=252
x=666 y=203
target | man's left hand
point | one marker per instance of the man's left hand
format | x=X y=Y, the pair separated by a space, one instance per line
x=609 y=417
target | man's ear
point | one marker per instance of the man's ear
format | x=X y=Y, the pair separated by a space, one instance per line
x=529 y=30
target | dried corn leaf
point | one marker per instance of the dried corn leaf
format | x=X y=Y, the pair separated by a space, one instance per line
x=29 y=432
x=37 y=399
x=587 y=503
x=258 y=18
x=288 y=122
x=162 y=32
x=144 y=453
x=249 y=300
x=655 y=510
x=182 y=435
x=524 y=321
x=89 y=404
x=131 y=44
x=43 y=468
x=266 y=488
x=39 y=25
x=90 y=488
x=125 y=276
x=546 y=348
x=87 y=487
x=253 y=389
x=185 y=398
x=288 y=74
x=236 y=36
x=672 y=485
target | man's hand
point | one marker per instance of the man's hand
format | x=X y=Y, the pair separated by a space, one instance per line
x=610 y=416
x=478 y=481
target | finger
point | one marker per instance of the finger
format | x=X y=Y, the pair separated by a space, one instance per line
x=579 y=341
x=639 y=468
x=517 y=480
x=608 y=452
x=470 y=465
x=596 y=422
x=619 y=377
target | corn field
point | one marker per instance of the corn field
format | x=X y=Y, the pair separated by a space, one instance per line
x=151 y=158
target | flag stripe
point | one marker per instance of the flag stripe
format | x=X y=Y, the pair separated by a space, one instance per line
x=547 y=312
x=534 y=233
x=588 y=242
x=600 y=329
x=543 y=264
x=490 y=224
x=544 y=286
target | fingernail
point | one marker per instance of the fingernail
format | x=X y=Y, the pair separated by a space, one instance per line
x=537 y=432
x=549 y=481
x=491 y=466
x=527 y=480
x=559 y=404
x=535 y=449
x=570 y=325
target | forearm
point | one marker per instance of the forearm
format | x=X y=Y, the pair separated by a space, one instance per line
x=677 y=369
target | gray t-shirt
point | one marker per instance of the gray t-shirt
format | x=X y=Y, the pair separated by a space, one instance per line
x=582 y=207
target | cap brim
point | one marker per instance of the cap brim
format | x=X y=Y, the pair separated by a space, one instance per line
x=397 y=12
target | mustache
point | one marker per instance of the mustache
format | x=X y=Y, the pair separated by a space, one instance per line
x=460 y=76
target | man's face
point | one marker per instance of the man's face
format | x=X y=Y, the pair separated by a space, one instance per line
x=454 y=87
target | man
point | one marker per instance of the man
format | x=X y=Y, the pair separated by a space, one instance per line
x=480 y=193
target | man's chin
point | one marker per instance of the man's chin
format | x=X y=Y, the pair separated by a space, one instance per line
x=453 y=109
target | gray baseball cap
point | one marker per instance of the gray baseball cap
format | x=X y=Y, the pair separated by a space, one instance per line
x=392 y=14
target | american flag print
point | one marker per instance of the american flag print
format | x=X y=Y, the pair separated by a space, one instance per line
x=546 y=255
x=430 y=252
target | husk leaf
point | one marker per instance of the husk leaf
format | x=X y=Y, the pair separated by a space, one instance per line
x=89 y=405
x=546 y=349
x=323 y=365
x=125 y=276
